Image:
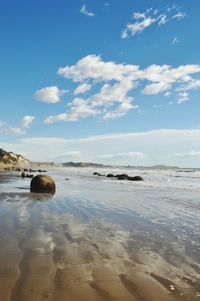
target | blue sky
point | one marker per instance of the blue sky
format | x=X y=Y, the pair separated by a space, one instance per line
x=107 y=81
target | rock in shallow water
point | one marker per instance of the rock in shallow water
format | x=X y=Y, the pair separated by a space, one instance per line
x=43 y=184
x=122 y=177
x=136 y=178
x=110 y=175
x=23 y=175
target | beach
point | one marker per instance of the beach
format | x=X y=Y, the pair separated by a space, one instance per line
x=101 y=239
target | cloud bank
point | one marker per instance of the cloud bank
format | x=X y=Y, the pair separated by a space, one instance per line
x=166 y=146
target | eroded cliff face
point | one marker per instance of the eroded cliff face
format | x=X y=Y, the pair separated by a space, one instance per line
x=10 y=159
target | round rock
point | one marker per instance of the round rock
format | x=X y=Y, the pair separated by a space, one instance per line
x=43 y=184
x=110 y=175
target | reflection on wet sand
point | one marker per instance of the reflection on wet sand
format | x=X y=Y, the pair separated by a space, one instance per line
x=48 y=254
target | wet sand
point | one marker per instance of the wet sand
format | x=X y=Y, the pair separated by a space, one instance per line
x=72 y=248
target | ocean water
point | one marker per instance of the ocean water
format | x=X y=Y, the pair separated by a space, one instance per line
x=101 y=239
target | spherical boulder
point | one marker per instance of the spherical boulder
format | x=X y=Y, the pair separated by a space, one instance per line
x=43 y=184
x=110 y=175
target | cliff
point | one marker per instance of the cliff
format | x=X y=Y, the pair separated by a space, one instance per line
x=10 y=159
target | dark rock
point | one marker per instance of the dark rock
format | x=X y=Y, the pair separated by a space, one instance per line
x=136 y=178
x=67 y=179
x=110 y=175
x=97 y=174
x=43 y=184
x=29 y=176
x=122 y=176
x=23 y=174
x=125 y=175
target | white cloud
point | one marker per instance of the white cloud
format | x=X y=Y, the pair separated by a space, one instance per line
x=27 y=120
x=139 y=16
x=156 y=88
x=92 y=67
x=162 y=20
x=7 y=129
x=113 y=93
x=133 y=28
x=115 y=82
x=82 y=89
x=84 y=10
x=120 y=111
x=186 y=154
x=131 y=155
x=167 y=94
x=49 y=94
x=192 y=84
x=79 y=109
x=170 y=75
x=124 y=34
x=143 y=20
x=175 y=41
x=13 y=131
x=179 y=16
x=100 y=103
x=134 y=148
x=182 y=97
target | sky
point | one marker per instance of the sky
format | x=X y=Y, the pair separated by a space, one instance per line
x=113 y=82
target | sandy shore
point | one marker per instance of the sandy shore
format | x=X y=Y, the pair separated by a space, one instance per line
x=47 y=253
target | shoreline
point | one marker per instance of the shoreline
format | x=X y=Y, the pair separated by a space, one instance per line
x=75 y=246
